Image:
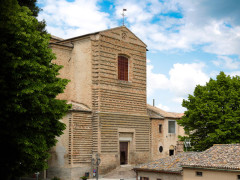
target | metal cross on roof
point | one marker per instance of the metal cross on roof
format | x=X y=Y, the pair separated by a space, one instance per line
x=123 y=15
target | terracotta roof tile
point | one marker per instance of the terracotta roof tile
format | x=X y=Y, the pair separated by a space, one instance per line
x=220 y=156
x=171 y=164
x=162 y=113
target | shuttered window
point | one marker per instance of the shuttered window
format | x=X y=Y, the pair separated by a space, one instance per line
x=122 y=68
x=172 y=126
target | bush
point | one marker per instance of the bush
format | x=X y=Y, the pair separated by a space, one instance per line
x=84 y=177
x=55 y=178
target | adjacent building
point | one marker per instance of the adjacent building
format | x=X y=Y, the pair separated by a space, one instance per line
x=164 y=132
x=168 y=168
x=221 y=162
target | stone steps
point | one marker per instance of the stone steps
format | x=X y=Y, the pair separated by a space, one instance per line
x=122 y=172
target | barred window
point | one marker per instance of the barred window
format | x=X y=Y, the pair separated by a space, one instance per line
x=122 y=68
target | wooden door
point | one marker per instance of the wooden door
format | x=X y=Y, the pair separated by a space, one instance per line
x=123 y=153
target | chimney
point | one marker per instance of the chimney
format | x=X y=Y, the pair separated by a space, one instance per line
x=153 y=102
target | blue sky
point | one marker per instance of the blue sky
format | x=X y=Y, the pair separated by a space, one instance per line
x=189 y=41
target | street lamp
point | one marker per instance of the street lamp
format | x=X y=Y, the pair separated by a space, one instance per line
x=96 y=162
x=37 y=174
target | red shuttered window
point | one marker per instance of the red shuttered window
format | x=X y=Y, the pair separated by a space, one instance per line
x=122 y=68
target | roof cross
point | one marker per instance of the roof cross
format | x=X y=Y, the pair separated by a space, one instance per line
x=123 y=15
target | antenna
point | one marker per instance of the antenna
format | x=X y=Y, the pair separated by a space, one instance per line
x=187 y=143
x=123 y=15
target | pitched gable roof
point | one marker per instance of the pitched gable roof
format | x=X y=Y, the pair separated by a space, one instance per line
x=162 y=113
x=116 y=29
x=171 y=164
x=219 y=156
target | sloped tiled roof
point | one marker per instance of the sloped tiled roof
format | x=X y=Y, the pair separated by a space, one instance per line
x=171 y=164
x=79 y=107
x=162 y=113
x=219 y=156
x=56 y=38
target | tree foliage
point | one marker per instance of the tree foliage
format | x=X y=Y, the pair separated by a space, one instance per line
x=31 y=4
x=29 y=84
x=213 y=113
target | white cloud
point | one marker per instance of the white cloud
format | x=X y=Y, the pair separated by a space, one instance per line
x=178 y=100
x=235 y=73
x=165 y=108
x=69 y=19
x=216 y=33
x=155 y=81
x=226 y=62
x=200 y=23
x=182 y=80
x=185 y=77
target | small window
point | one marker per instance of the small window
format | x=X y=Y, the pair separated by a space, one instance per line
x=144 y=178
x=238 y=177
x=122 y=68
x=198 y=173
x=172 y=126
x=160 y=149
x=160 y=128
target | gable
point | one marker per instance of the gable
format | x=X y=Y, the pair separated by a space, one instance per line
x=124 y=34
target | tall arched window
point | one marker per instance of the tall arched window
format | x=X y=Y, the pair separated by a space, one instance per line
x=123 y=68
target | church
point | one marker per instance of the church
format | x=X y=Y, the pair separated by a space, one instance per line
x=109 y=115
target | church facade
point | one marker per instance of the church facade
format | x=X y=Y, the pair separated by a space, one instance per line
x=107 y=90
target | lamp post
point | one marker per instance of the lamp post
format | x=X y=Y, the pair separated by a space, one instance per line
x=96 y=162
x=37 y=174
x=187 y=143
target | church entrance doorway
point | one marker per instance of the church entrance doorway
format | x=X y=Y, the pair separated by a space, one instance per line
x=123 y=153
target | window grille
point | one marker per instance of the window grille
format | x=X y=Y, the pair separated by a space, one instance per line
x=122 y=68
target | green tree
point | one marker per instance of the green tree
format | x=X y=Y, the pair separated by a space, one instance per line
x=31 y=4
x=29 y=84
x=213 y=113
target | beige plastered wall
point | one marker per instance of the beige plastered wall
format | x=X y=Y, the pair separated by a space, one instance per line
x=81 y=55
x=155 y=176
x=190 y=174
x=58 y=162
x=63 y=58
x=164 y=138
x=77 y=67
